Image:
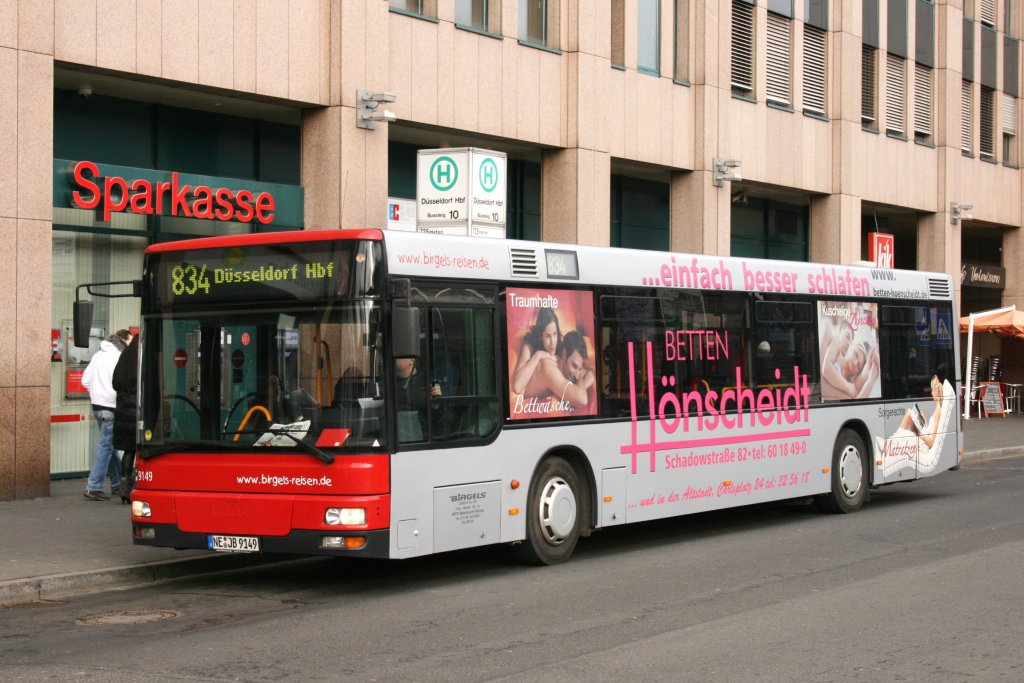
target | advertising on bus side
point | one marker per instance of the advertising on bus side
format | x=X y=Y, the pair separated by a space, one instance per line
x=848 y=349
x=551 y=353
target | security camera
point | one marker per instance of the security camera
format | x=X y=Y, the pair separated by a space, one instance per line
x=370 y=96
x=85 y=91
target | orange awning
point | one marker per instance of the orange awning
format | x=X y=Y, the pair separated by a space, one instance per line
x=1005 y=324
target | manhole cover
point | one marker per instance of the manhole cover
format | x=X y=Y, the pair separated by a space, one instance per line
x=141 y=616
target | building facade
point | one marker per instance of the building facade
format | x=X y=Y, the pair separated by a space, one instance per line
x=783 y=129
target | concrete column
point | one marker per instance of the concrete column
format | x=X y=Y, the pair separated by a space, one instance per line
x=1013 y=256
x=26 y=221
x=575 y=197
x=700 y=214
x=344 y=167
x=344 y=170
x=938 y=245
x=835 y=228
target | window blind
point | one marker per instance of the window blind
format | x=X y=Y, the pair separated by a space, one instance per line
x=965 y=117
x=895 y=110
x=742 y=46
x=867 y=85
x=987 y=143
x=1009 y=114
x=922 y=99
x=814 y=69
x=777 y=68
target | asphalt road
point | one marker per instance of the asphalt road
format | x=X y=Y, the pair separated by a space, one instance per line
x=924 y=583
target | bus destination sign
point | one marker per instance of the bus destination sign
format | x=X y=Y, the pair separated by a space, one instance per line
x=253 y=273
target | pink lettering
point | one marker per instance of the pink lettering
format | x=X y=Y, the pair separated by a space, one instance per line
x=673 y=409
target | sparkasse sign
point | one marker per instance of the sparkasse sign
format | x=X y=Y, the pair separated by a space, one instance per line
x=109 y=194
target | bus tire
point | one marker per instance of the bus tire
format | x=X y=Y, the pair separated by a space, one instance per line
x=553 y=515
x=849 y=475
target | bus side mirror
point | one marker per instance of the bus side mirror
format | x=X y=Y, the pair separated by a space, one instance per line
x=405 y=332
x=82 y=325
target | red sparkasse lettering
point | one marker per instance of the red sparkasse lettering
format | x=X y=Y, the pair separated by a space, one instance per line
x=87 y=184
x=202 y=207
x=161 y=188
x=225 y=209
x=178 y=197
x=115 y=194
x=142 y=196
x=109 y=204
x=245 y=212
x=265 y=207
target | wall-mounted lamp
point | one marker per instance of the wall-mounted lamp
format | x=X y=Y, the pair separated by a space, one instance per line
x=368 y=114
x=725 y=169
x=960 y=212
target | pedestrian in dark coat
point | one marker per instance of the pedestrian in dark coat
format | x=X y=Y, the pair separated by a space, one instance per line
x=126 y=383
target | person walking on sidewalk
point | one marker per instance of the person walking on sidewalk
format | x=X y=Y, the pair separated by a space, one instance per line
x=126 y=384
x=97 y=378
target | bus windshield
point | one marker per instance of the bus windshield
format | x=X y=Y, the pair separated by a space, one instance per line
x=246 y=377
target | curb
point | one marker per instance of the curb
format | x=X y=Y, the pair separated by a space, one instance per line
x=20 y=591
x=991 y=454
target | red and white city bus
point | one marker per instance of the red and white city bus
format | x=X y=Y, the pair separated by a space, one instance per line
x=390 y=394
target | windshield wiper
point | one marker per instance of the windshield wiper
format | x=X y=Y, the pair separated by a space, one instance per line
x=304 y=445
x=174 y=446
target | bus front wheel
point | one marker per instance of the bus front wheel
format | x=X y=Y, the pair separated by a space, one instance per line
x=849 y=475
x=552 y=515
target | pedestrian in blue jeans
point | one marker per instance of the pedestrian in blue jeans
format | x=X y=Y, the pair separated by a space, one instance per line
x=97 y=378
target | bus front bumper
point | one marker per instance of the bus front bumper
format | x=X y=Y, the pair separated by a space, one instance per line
x=372 y=544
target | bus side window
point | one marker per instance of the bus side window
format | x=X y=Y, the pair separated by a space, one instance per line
x=917 y=344
x=463 y=367
x=783 y=337
x=460 y=364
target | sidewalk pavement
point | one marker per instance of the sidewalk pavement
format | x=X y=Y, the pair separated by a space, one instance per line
x=66 y=544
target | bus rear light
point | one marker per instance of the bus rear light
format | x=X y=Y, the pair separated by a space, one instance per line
x=345 y=517
x=140 y=508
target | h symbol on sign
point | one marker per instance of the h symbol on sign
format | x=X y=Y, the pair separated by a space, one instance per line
x=444 y=174
x=487 y=175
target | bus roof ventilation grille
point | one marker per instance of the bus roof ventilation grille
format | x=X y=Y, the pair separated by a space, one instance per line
x=524 y=263
x=939 y=289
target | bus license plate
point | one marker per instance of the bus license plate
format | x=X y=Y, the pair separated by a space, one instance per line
x=234 y=544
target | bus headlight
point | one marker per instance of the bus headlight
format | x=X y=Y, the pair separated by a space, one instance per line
x=345 y=517
x=140 y=508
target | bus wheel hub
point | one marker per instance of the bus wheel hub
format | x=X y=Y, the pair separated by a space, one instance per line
x=557 y=510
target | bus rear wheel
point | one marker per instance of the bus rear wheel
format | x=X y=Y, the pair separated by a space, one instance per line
x=553 y=514
x=849 y=475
